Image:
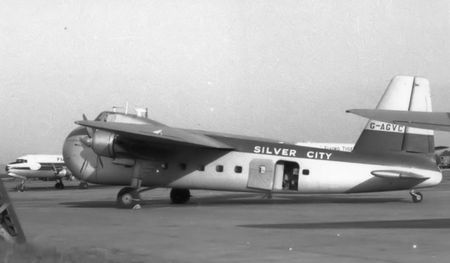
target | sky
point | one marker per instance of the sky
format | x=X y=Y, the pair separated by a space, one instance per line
x=285 y=69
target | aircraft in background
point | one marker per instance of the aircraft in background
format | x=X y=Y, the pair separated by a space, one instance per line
x=142 y=154
x=39 y=166
x=442 y=153
x=343 y=147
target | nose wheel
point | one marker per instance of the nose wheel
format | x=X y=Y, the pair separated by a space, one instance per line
x=83 y=185
x=21 y=187
x=59 y=185
x=128 y=197
x=417 y=197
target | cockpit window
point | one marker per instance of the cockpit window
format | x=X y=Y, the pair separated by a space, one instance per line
x=20 y=161
x=102 y=116
x=106 y=117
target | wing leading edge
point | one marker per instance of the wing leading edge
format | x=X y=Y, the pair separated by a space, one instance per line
x=425 y=120
x=157 y=133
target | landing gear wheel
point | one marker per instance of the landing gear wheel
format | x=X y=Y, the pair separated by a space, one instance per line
x=59 y=185
x=417 y=197
x=20 y=188
x=128 y=197
x=83 y=185
x=179 y=195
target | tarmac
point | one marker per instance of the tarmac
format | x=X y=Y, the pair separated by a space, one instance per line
x=239 y=227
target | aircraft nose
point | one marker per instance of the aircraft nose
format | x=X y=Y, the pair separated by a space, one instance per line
x=437 y=178
x=79 y=158
x=434 y=179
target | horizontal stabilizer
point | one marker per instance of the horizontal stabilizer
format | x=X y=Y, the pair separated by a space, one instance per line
x=393 y=174
x=425 y=120
x=157 y=134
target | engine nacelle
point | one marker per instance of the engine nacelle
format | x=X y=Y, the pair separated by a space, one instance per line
x=63 y=173
x=103 y=143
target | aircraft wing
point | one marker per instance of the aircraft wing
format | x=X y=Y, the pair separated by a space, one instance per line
x=425 y=120
x=13 y=175
x=157 y=134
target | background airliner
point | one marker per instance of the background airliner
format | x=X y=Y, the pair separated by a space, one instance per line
x=38 y=166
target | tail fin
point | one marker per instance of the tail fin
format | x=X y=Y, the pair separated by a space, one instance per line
x=403 y=93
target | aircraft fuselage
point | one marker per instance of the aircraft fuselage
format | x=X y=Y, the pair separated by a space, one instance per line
x=254 y=166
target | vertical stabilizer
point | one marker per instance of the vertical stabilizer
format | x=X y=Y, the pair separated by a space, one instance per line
x=404 y=93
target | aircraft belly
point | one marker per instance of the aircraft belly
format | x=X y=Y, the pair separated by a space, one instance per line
x=340 y=177
x=226 y=182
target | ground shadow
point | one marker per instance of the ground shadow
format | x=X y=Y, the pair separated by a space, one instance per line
x=51 y=187
x=436 y=223
x=236 y=199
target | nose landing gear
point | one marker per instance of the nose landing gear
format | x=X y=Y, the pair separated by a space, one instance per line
x=59 y=184
x=417 y=197
x=21 y=186
x=83 y=185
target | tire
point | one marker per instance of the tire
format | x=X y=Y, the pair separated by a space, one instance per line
x=179 y=195
x=20 y=188
x=417 y=197
x=83 y=186
x=127 y=197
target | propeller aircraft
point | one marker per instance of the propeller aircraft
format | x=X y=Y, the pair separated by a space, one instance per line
x=38 y=166
x=142 y=154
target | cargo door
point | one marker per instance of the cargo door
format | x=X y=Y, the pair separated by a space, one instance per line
x=261 y=174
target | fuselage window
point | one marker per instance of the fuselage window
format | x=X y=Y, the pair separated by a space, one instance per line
x=238 y=169
x=305 y=171
x=201 y=167
x=183 y=166
x=262 y=169
x=219 y=168
x=165 y=166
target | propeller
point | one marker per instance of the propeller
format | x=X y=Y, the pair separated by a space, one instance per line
x=438 y=148
x=90 y=131
x=87 y=140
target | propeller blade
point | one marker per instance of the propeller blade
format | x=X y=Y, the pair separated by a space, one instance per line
x=99 y=160
x=437 y=148
x=90 y=131
x=82 y=166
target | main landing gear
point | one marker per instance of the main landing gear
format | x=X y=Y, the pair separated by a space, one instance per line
x=21 y=186
x=129 y=197
x=59 y=184
x=180 y=195
x=417 y=197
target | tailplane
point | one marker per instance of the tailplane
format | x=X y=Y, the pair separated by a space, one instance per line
x=404 y=93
